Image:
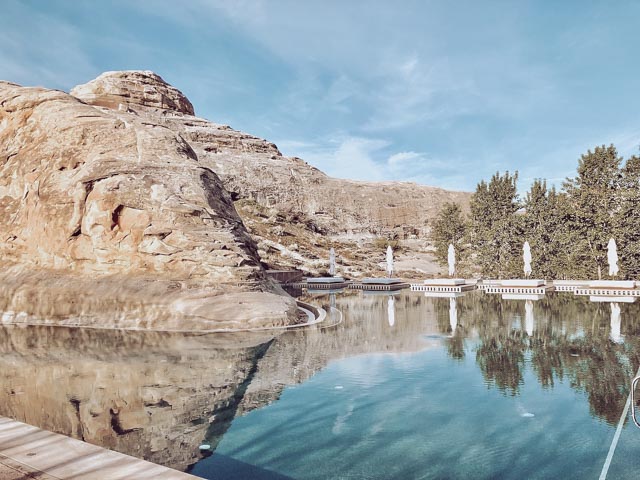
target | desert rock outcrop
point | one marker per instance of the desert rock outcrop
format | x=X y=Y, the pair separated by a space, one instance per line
x=294 y=210
x=94 y=191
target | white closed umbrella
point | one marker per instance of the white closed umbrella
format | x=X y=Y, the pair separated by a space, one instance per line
x=526 y=256
x=612 y=257
x=451 y=259
x=389 y=260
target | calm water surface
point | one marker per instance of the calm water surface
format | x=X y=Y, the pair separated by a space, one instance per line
x=404 y=387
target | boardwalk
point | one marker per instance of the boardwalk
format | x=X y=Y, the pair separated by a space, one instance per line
x=27 y=452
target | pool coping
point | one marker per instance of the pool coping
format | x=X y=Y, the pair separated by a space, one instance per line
x=40 y=454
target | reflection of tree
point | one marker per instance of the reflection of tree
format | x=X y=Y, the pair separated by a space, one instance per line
x=602 y=375
x=546 y=358
x=501 y=360
x=455 y=344
x=571 y=341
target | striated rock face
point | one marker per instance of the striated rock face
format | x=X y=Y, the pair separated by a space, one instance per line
x=93 y=191
x=284 y=201
x=122 y=90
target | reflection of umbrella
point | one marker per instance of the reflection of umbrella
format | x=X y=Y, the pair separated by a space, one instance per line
x=391 y=310
x=528 y=317
x=453 y=315
x=612 y=257
x=451 y=259
x=616 y=321
x=526 y=249
x=389 y=260
x=332 y=262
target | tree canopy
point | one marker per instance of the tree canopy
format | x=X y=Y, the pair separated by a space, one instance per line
x=568 y=230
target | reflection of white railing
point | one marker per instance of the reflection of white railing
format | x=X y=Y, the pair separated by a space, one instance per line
x=608 y=292
x=417 y=287
x=522 y=290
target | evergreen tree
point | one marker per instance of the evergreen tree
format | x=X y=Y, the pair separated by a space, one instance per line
x=496 y=233
x=594 y=202
x=544 y=225
x=628 y=219
x=450 y=227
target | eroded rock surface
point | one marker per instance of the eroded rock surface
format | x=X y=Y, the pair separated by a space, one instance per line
x=92 y=192
x=123 y=90
x=293 y=210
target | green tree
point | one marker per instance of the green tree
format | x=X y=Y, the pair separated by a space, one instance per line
x=593 y=201
x=544 y=227
x=628 y=219
x=496 y=232
x=450 y=227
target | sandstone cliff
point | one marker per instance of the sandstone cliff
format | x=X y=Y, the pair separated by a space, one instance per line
x=92 y=191
x=295 y=212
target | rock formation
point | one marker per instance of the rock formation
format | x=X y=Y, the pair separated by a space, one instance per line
x=120 y=192
x=294 y=211
x=95 y=191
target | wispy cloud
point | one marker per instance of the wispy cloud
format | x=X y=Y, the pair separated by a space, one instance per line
x=432 y=92
x=40 y=49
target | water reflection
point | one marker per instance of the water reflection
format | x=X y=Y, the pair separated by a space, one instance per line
x=159 y=396
x=529 y=321
x=151 y=395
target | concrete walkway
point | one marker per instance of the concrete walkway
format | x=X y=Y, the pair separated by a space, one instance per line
x=27 y=452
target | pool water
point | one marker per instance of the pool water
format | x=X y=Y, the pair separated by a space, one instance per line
x=505 y=395
x=396 y=386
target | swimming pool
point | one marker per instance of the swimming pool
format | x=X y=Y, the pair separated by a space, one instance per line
x=399 y=386
x=473 y=387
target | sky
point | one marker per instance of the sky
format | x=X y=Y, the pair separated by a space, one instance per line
x=441 y=93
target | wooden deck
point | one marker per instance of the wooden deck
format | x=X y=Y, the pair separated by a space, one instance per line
x=28 y=452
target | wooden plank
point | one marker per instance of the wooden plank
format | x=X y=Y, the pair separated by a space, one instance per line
x=46 y=455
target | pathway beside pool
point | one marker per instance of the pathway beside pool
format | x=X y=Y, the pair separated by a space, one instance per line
x=28 y=452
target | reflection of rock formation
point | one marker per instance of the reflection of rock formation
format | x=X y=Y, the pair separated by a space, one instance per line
x=296 y=356
x=158 y=396
x=149 y=395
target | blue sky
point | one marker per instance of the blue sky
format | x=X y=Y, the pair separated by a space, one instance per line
x=437 y=92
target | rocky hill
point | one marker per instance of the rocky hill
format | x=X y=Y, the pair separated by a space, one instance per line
x=123 y=202
x=293 y=210
x=89 y=193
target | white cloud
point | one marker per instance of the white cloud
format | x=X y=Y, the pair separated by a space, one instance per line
x=346 y=157
x=400 y=158
x=368 y=159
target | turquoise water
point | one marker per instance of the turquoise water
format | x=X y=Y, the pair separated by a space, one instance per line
x=506 y=395
x=404 y=387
